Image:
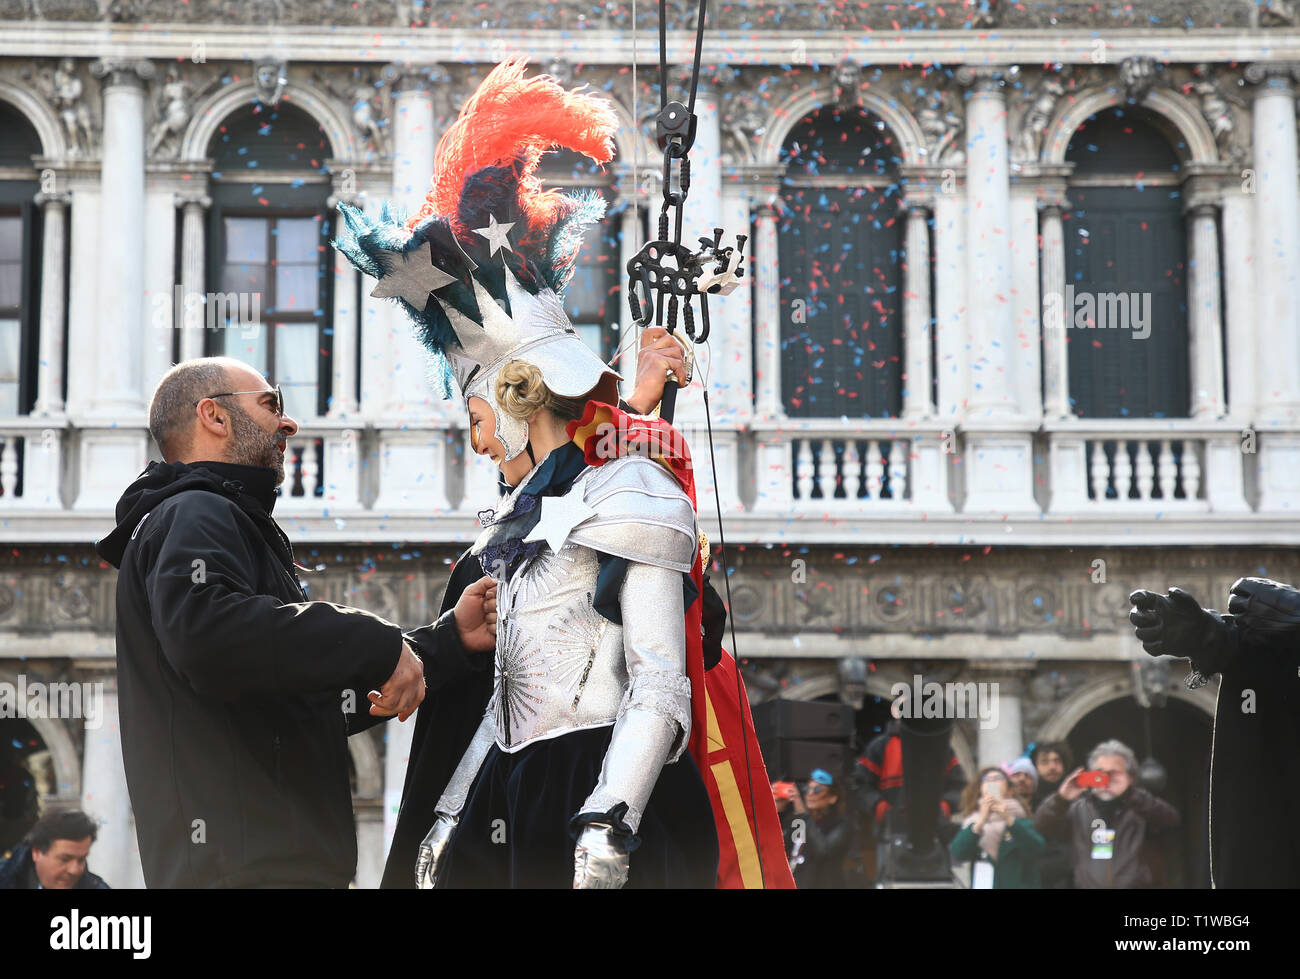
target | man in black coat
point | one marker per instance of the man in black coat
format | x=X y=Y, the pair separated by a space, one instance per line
x=236 y=692
x=1255 y=760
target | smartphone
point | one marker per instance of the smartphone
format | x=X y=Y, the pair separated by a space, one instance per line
x=1092 y=780
x=995 y=790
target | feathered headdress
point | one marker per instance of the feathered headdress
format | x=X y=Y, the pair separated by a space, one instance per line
x=481 y=268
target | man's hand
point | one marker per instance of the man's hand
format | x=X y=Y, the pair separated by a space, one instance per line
x=660 y=355
x=1070 y=789
x=404 y=690
x=476 y=615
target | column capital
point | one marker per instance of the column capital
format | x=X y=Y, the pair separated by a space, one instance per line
x=53 y=199
x=405 y=77
x=1273 y=77
x=187 y=198
x=987 y=80
x=123 y=71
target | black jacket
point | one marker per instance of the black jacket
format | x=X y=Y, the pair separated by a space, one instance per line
x=18 y=872
x=233 y=686
x=1134 y=817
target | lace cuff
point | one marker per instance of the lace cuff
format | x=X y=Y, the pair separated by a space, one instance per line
x=666 y=695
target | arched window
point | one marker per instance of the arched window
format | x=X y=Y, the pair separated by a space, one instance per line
x=269 y=254
x=841 y=252
x=19 y=262
x=592 y=297
x=1125 y=307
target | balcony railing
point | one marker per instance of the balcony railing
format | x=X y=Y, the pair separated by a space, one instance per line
x=1146 y=465
x=421 y=481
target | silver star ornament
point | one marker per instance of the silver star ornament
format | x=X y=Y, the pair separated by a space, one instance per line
x=560 y=514
x=411 y=276
x=496 y=234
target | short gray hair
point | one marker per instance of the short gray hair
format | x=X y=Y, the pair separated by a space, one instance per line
x=171 y=411
x=1113 y=747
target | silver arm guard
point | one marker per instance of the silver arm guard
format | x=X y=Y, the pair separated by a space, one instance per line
x=654 y=720
x=446 y=814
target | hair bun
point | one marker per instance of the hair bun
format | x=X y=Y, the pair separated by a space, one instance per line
x=520 y=389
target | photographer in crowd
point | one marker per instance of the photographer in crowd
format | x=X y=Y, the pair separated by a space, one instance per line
x=997 y=836
x=1106 y=819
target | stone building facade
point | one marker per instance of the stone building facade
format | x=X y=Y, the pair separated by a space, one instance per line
x=932 y=454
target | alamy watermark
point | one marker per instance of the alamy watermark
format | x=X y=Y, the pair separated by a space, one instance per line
x=1081 y=310
x=39 y=700
x=930 y=699
x=211 y=310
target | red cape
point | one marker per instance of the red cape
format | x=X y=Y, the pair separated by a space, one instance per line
x=751 y=847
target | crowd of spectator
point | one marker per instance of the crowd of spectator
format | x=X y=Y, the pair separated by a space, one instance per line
x=1036 y=821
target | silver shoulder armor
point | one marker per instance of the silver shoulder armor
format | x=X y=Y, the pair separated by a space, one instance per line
x=642 y=514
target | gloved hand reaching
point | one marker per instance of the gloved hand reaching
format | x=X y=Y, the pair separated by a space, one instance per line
x=1176 y=625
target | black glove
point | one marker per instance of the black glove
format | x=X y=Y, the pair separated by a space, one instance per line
x=1266 y=607
x=1176 y=625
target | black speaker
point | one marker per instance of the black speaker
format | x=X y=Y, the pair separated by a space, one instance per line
x=795 y=760
x=803 y=720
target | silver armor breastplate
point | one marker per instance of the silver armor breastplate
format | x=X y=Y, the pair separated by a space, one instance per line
x=560 y=664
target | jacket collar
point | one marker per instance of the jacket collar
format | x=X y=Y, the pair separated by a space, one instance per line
x=256 y=482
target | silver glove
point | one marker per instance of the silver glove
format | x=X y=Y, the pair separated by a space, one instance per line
x=432 y=849
x=600 y=860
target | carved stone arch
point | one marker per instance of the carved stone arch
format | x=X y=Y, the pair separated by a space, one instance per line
x=789 y=113
x=369 y=766
x=879 y=684
x=332 y=117
x=1183 y=119
x=1103 y=690
x=42 y=117
x=62 y=747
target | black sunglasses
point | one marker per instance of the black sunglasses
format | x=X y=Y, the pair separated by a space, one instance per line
x=277 y=405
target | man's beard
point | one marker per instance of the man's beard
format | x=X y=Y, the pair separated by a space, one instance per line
x=252 y=446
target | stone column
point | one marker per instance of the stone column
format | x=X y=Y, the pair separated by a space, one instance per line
x=1003 y=740
x=1239 y=296
x=1056 y=369
x=192 y=314
x=774 y=461
x=1026 y=309
x=1204 y=310
x=1277 y=264
x=115 y=855
x=343 y=401
x=120 y=313
x=767 y=311
x=952 y=331
x=988 y=238
x=630 y=239
x=998 y=452
x=54 y=284
x=371 y=843
x=397 y=752
x=918 y=402
x=113 y=439
x=414 y=136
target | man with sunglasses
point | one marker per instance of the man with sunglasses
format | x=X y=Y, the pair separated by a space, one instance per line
x=237 y=693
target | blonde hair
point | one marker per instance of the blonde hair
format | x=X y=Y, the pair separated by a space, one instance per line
x=521 y=390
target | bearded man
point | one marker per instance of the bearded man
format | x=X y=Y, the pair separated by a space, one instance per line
x=235 y=689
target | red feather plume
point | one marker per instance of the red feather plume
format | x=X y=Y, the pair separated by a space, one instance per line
x=512 y=117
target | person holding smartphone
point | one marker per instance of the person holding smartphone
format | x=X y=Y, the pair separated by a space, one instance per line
x=997 y=836
x=1107 y=819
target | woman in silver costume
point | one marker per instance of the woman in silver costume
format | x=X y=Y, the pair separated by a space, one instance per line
x=570 y=767
x=580 y=757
